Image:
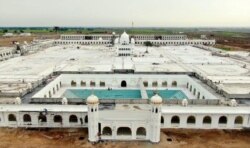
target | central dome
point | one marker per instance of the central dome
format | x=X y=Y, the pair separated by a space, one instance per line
x=124 y=38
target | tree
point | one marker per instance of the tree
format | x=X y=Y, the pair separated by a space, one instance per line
x=56 y=28
x=148 y=44
x=5 y=31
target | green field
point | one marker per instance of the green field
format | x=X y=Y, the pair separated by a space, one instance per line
x=191 y=32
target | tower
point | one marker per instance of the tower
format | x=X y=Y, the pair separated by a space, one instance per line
x=156 y=104
x=93 y=117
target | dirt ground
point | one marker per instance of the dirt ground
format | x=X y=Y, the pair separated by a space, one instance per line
x=8 y=41
x=13 y=138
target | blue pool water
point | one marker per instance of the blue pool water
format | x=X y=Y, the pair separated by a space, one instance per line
x=103 y=94
x=168 y=94
x=122 y=94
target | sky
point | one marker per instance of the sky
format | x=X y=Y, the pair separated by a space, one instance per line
x=121 y=13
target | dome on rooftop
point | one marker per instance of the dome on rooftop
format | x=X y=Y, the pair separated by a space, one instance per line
x=124 y=39
x=92 y=99
x=64 y=101
x=18 y=100
x=156 y=99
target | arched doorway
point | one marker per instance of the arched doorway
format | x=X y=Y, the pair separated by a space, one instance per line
x=175 y=120
x=86 y=119
x=238 y=120
x=124 y=131
x=191 y=120
x=42 y=118
x=26 y=118
x=12 y=117
x=123 y=84
x=162 y=120
x=73 y=119
x=58 y=119
x=107 y=131
x=207 y=120
x=141 y=132
x=174 y=84
x=223 y=120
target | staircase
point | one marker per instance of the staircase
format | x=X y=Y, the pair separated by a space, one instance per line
x=144 y=94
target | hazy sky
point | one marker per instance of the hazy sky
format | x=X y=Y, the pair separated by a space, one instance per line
x=121 y=13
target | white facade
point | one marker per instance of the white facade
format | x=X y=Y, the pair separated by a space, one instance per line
x=143 y=124
x=177 y=42
x=136 y=37
x=124 y=45
x=6 y=53
x=161 y=40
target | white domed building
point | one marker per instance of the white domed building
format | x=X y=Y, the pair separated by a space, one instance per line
x=124 y=45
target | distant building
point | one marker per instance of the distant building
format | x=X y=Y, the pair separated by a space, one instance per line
x=25 y=34
x=204 y=37
x=8 y=35
x=124 y=45
x=158 y=40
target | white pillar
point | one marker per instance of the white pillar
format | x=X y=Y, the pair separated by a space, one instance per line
x=93 y=122
x=155 y=123
x=155 y=127
x=93 y=118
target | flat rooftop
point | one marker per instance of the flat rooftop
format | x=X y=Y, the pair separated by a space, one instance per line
x=173 y=59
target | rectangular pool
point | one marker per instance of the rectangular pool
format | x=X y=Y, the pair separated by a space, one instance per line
x=103 y=94
x=123 y=94
x=168 y=94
